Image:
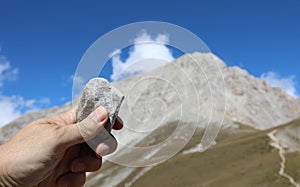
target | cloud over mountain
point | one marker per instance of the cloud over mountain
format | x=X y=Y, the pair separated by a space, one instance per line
x=286 y=83
x=146 y=54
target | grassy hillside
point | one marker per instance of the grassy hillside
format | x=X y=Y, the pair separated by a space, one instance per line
x=241 y=158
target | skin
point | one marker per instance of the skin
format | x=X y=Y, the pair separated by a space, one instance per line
x=52 y=151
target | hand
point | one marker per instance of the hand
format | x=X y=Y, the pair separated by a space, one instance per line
x=52 y=152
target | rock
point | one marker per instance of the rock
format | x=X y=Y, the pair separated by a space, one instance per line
x=98 y=92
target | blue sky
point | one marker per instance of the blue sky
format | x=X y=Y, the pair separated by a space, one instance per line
x=42 y=42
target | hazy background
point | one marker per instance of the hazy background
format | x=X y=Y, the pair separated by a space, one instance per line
x=42 y=42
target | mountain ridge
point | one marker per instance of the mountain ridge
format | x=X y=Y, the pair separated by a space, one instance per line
x=242 y=102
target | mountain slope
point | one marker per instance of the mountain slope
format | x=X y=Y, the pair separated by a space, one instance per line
x=246 y=159
x=197 y=90
x=249 y=100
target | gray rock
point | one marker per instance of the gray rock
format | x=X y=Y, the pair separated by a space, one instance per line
x=98 y=92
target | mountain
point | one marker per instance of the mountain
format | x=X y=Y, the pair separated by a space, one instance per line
x=242 y=97
x=189 y=100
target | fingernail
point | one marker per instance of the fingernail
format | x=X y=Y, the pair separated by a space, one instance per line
x=79 y=167
x=102 y=150
x=100 y=114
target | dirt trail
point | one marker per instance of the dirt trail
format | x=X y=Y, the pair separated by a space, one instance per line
x=275 y=143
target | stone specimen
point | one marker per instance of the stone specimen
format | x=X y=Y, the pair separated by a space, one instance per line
x=98 y=92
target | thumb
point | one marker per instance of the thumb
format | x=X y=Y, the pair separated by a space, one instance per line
x=86 y=129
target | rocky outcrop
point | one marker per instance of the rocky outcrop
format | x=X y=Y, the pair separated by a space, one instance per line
x=201 y=83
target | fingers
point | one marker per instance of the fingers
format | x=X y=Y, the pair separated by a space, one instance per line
x=93 y=124
x=88 y=163
x=80 y=132
x=69 y=117
x=106 y=147
x=91 y=128
x=72 y=179
x=64 y=164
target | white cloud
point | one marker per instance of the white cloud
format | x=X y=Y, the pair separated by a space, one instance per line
x=14 y=106
x=6 y=72
x=288 y=83
x=146 y=54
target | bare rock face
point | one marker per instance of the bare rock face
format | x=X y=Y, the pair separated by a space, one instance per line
x=98 y=92
x=249 y=100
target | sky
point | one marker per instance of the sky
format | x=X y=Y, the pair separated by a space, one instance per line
x=41 y=43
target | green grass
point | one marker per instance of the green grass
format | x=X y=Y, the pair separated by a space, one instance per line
x=293 y=165
x=240 y=158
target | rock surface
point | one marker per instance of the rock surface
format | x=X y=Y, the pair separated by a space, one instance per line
x=98 y=92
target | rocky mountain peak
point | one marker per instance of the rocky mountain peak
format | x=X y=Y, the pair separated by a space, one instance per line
x=234 y=92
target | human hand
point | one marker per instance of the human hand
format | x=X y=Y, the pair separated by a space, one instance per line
x=52 y=152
